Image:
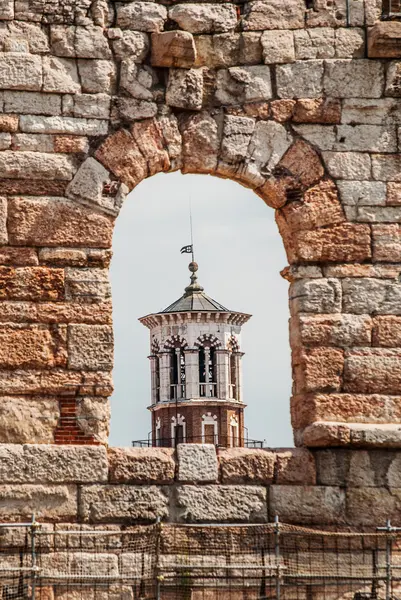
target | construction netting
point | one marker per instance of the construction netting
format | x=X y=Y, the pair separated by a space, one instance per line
x=190 y=562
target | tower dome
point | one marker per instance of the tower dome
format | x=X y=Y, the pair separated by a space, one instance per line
x=196 y=370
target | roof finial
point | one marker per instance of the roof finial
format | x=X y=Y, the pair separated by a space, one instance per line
x=194 y=285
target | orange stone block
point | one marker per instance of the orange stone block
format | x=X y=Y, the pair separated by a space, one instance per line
x=319 y=207
x=318 y=110
x=31 y=283
x=32 y=346
x=303 y=163
x=121 y=155
x=340 y=243
x=373 y=370
x=387 y=331
x=317 y=369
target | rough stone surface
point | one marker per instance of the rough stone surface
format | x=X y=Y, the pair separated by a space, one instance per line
x=173 y=49
x=185 y=89
x=204 y=18
x=223 y=503
x=122 y=503
x=52 y=464
x=142 y=465
x=48 y=502
x=247 y=466
x=309 y=504
x=197 y=462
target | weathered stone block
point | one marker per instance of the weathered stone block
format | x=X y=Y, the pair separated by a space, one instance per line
x=295 y=466
x=386 y=242
x=94 y=417
x=81 y=42
x=362 y=193
x=261 y=15
x=370 y=295
x=278 y=47
x=353 y=78
x=142 y=16
x=31 y=346
x=7 y=10
x=55 y=382
x=386 y=167
x=348 y=165
x=173 y=49
x=243 y=84
x=371 y=112
x=228 y=49
x=204 y=18
x=384 y=40
x=332 y=330
x=300 y=79
x=314 y=43
x=39 y=124
x=201 y=143
x=36 y=463
x=36 y=165
x=47 y=502
x=90 y=347
x=57 y=222
x=243 y=465
x=320 y=206
x=131 y=44
x=222 y=503
x=322 y=136
x=237 y=134
x=97 y=76
x=197 y=463
x=25 y=420
x=20 y=71
x=88 y=185
x=268 y=144
x=141 y=465
x=31 y=283
x=368 y=506
x=366 y=138
x=315 y=296
x=60 y=75
x=91 y=106
x=33 y=103
x=307 y=505
x=122 y=503
x=185 y=88
x=303 y=162
x=350 y=42
x=317 y=110
x=317 y=369
x=372 y=370
x=338 y=243
x=387 y=331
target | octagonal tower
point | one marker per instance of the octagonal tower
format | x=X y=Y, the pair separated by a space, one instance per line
x=196 y=371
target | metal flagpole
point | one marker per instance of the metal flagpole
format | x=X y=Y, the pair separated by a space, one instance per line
x=190 y=224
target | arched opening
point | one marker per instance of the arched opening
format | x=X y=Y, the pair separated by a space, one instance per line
x=240 y=255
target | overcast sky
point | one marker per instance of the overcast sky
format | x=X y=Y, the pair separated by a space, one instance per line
x=240 y=255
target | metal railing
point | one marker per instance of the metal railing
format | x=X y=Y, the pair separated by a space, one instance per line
x=188 y=561
x=177 y=391
x=219 y=441
x=208 y=390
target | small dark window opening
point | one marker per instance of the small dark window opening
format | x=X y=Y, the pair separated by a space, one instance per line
x=179 y=434
x=177 y=370
x=157 y=378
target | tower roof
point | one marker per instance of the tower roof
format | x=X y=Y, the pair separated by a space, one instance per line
x=194 y=298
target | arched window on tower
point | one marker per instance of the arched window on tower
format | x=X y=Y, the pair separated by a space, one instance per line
x=233 y=348
x=208 y=375
x=178 y=430
x=176 y=346
x=234 y=432
x=210 y=429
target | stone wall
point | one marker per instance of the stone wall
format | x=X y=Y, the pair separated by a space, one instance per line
x=299 y=101
x=357 y=489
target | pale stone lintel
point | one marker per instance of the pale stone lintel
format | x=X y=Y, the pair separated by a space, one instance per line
x=233 y=318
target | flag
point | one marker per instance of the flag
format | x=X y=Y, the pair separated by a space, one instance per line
x=186 y=249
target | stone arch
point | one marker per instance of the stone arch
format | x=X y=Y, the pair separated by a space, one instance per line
x=301 y=119
x=175 y=341
x=207 y=339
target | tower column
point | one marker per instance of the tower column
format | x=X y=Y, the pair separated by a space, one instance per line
x=191 y=373
x=153 y=360
x=165 y=376
x=223 y=373
x=207 y=373
x=238 y=369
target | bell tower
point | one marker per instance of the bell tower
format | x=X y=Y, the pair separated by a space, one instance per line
x=196 y=371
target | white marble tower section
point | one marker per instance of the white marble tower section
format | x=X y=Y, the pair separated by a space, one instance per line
x=196 y=370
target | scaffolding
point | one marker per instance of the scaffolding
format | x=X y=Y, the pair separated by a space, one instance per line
x=40 y=561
